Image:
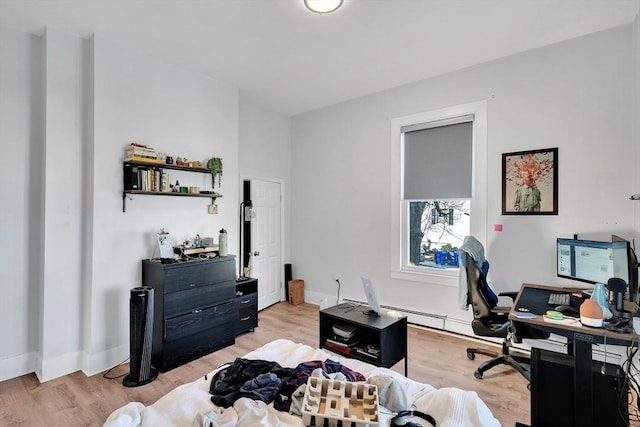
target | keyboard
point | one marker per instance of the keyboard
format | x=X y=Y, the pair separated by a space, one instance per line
x=556 y=299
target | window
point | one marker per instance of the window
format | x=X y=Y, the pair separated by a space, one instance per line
x=436 y=229
x=439 y=190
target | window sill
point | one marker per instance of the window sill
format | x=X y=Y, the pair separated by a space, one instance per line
x=434 y=276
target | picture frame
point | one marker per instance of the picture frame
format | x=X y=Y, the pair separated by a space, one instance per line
x=530 y=182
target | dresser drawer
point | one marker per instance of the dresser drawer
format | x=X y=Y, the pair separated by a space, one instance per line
x=180 y=277
x=198 y=321
x=186 y=301
x=247 y=317
x=191 y=347
x=251 y=299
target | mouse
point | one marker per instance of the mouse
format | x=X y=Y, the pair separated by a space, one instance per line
x=567 y=310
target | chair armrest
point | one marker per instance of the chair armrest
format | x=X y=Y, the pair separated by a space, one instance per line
x=511 y=294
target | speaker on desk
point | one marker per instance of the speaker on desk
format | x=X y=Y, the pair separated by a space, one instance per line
x=140 y=338
x=287 y=278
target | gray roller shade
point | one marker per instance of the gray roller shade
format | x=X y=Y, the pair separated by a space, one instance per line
x=438 y=161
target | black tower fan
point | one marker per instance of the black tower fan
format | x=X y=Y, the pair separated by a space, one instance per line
x=140 y=338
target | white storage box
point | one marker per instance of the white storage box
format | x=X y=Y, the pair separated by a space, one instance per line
x=349 y=404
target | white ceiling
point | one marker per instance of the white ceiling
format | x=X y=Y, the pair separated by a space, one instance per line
x=292 y=60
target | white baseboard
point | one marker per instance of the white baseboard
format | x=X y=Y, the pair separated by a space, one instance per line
x=59 y=366
x=95 y=363
x=17 y=366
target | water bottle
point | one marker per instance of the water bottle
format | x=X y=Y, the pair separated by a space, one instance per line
x=222 y=243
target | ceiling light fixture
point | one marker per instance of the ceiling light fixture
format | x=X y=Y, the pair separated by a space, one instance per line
x=323 y=6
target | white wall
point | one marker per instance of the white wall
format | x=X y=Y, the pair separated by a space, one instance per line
x=21 y=142
x=265 y=150
x=65 y=109
x=574 y=95
x=142 y=99
x=68 y=109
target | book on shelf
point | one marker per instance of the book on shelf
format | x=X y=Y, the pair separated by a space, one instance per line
x=364 y=352
x=201 y=250
x=141 y=151
x=145 y=179
x=341 y=343
x=139 y=159
x=338 y=348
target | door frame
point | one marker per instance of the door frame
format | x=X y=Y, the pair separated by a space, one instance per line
x=281 y=182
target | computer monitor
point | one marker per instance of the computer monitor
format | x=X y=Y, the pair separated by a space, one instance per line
x=372 y=300
x=626 y=265
x=587 y=260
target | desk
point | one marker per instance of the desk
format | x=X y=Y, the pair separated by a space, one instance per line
x=386 y=332
x=580 y=339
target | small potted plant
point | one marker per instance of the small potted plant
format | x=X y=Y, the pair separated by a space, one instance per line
x=215 y=166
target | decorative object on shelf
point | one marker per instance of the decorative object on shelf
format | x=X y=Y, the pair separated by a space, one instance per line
x=212 y=209
x=169 y=160
x=530 y=182
x=215 y=166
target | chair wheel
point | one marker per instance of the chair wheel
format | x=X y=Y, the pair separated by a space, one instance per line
x=470 y=355
x=478 y=375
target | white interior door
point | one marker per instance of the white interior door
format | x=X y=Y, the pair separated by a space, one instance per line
x=266 y=241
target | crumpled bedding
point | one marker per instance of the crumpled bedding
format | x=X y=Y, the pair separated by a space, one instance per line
x=191 y=405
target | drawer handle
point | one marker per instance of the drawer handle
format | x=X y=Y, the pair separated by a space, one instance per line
x=192 y=285
x=196 y=311
x=247 y=301
x=245 y=318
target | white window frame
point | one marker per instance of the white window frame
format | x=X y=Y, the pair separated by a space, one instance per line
x=399 y=215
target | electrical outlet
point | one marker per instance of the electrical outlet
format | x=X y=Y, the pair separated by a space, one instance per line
x=336 y=276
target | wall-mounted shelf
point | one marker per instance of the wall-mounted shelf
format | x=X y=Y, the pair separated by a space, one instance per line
x=132 y=178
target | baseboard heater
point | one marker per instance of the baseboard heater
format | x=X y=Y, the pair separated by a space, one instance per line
x=437 y=317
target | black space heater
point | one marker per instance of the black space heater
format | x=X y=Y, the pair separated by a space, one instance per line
x=140 y=338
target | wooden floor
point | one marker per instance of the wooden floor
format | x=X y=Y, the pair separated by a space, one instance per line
x=435 y=358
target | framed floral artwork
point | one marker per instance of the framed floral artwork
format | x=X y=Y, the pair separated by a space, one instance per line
x=530 y=182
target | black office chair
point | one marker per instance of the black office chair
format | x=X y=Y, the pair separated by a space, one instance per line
x=490 y=320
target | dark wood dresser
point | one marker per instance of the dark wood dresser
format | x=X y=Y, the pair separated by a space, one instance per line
x=195 y=311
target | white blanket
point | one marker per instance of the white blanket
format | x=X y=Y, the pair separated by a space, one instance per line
x=190 y=404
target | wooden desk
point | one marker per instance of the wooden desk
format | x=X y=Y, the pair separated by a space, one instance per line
x=581 y=338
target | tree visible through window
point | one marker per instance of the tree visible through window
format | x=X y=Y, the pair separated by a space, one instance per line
x=436 y=230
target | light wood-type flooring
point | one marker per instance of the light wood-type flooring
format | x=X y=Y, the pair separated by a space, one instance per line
x=435 y=358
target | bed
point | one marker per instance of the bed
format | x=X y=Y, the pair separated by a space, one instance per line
x=191 y=404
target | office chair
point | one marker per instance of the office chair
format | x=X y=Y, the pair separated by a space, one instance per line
x=490 y=320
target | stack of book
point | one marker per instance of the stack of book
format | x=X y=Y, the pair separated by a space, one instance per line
x=340 y=344
x=140 y=153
